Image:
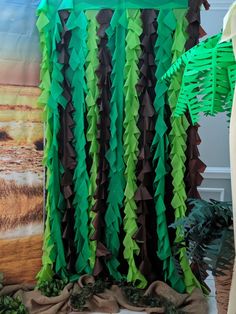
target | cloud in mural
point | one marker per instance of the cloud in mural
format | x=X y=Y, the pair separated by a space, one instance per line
x=19 y=53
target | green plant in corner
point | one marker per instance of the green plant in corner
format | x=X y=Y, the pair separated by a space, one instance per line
x=52 y=288
x=208 y=231
x=1 y=281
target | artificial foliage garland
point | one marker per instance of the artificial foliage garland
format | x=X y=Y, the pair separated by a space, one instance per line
x=194 y=166
x=46 y=271
x=66 y=150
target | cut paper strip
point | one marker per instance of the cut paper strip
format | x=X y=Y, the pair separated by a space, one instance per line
x=77 y=23
x=53 y=251
x=104 y=84
x=120 y=4
x=144 y=195
x=92 y=63
x=177 y=138
x=46 y=272
x=131 y=136
x=115 y=155
x=166 y=27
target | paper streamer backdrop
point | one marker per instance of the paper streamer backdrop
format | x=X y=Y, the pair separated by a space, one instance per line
x=21 y=143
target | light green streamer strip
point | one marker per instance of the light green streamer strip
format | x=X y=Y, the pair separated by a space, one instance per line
x=166 y=26
x=92 y=63
x=46 y=272
x=131 y=136
x=178 y=146
x=116 y=42
x=51 y=96
x=77 y=22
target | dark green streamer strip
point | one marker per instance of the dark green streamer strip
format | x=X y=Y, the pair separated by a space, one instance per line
x=77 y=23
x=166 y=27
x=92 y=63
x=122 y=4
x=53 y=255
x=116 y=43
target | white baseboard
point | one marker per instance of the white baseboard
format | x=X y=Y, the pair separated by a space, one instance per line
x=212 y=193
x=217 y=173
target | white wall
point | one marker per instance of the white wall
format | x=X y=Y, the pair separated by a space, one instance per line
x=214 y=131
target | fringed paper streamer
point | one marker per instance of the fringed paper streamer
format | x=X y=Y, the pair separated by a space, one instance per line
x=144 y=193
x=66 y=150
x=46 y=272
x=116 y=43
x=53 y=244
x=178 y=139
x=131 y=136
x=92 y=64
x=104 y=83
x=194 y=166
x=77 y=23
x=166 y=26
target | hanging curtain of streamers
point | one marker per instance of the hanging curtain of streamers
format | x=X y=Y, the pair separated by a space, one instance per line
x=113 y=140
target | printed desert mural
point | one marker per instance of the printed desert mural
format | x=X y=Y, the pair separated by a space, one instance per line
x=21 y=183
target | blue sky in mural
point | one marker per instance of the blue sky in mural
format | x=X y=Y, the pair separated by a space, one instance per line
x=19 y=37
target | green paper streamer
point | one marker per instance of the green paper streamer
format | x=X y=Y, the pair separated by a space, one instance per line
x=209 y=72
x=121 y=4
x=166 y=26
x=92 y=64
x=178 y=144
x=51 y=96
x=116 y=42
x=77 y=23
x=46 y=272
x=131 y=136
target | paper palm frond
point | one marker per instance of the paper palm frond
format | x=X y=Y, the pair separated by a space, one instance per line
x=209 y=75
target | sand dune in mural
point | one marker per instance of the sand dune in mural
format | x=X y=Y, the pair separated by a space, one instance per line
x=21 y=153
x=20 y=205
x=21 y=183
x=20 y=259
